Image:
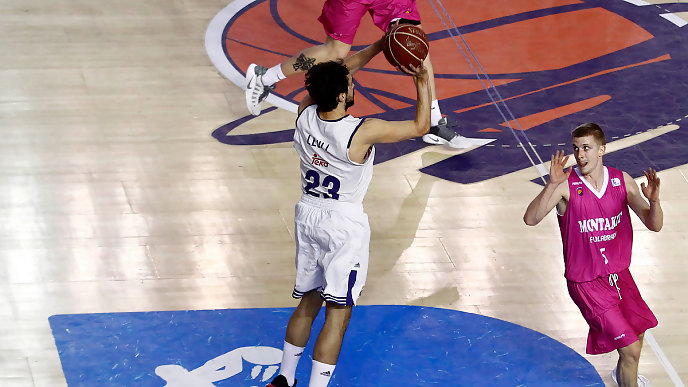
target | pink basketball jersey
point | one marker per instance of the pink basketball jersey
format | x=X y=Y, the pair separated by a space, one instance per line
x=596 y=229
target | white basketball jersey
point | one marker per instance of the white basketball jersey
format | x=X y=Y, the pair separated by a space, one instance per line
x=326 y=169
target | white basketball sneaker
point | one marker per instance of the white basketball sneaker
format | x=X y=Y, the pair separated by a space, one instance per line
x=256 y=92
x=642 y=381
x=445 y=136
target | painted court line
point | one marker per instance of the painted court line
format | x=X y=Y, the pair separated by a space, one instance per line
x=674 y=18
x=497 y=99
x=663 y=359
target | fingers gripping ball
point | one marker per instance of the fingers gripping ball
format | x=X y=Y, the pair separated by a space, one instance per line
x=406 y=44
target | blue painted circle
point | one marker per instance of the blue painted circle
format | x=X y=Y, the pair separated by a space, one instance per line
x=384 y=346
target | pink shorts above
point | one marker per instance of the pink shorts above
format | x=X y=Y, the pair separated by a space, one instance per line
x=614 y=310
x=341 y=18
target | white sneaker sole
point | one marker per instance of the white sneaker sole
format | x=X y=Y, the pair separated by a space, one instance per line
x=251 y=80
x=435 y=140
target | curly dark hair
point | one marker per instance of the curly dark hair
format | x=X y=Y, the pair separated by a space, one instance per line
x=590 y=129
x=325 y=81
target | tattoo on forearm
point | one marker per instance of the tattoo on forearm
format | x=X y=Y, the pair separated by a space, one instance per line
x=303 y=63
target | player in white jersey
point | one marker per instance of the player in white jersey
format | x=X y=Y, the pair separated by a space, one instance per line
x=332 y=233
x=326 y=168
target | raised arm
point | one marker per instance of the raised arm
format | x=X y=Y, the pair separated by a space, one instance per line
x=554 y=193
x=356 y=61
x=651 y=214
x=375 y=131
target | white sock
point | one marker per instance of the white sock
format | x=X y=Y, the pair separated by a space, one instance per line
x=273 y=75
x=435 y=113
x=290 y=359
x=321 y=374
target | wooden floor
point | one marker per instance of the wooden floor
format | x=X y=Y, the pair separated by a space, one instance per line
x=114 y=197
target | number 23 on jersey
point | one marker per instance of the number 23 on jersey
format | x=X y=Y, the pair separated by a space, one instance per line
x=330 y=183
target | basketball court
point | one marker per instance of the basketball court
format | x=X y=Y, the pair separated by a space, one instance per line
x=147 y=233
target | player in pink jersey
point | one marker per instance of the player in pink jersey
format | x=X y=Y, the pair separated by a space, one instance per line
x=340 y=19
x=592 y=204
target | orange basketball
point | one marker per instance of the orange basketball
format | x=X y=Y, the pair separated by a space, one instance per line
x=405 y=44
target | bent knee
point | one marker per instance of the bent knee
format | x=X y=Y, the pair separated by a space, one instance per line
x=630 y=352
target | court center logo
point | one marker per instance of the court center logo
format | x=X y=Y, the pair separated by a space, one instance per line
x=264 y=363
x=553 y=65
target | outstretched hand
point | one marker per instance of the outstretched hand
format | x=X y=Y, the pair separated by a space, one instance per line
x=557 y=172
x=651 y=190
x=405 y=70
x=417 y=72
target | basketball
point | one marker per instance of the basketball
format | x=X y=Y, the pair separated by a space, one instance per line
x=405 y=44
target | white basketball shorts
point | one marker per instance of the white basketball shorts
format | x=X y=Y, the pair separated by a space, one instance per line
x=332 y=248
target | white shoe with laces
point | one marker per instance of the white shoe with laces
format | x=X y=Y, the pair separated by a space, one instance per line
x=444 y=135
x=447 y=136
x=256 y=92
x=642 y=380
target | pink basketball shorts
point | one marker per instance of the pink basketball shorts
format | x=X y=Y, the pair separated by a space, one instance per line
x=614 y=310
x=341 y=18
